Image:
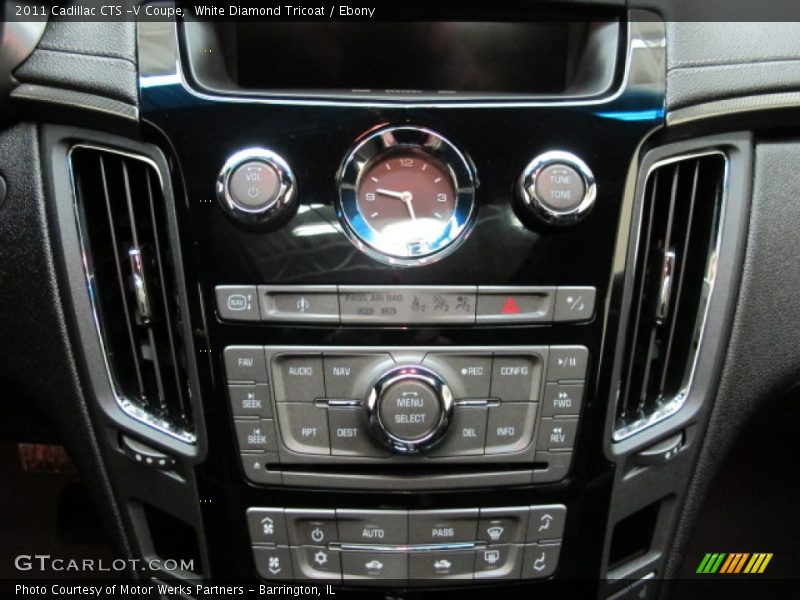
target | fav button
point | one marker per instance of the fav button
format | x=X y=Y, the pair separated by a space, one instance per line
x=245 y=363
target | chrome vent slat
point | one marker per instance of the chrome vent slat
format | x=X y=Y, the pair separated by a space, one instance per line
x=115 y=245
x=676 y=245
x=122 y=214
x=161 y=259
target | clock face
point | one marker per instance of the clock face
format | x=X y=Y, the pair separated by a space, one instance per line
x=406 y=195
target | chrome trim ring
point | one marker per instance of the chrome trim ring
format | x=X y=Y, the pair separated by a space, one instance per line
x=421 y=375
x=526 y=187
x=380 y=144
x=286 y=196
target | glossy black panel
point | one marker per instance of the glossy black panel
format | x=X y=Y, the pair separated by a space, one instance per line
x=500 y=140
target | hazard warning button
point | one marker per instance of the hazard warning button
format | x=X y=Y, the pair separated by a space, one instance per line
x=515 y=305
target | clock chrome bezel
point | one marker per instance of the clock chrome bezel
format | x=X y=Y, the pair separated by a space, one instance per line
x=381 y=143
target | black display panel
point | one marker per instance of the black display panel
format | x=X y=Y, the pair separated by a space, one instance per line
x=442 y=57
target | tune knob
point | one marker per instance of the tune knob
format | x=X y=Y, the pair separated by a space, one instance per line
x=256 y=186
x=557 y=188
x=409 y=409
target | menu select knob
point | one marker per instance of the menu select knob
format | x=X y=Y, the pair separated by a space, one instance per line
x=557 y=188
x=256 y=186
x=409 y=409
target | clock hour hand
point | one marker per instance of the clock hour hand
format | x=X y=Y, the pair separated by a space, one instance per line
x=391 y=194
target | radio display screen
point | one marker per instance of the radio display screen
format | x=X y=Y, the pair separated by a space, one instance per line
x=408 y=58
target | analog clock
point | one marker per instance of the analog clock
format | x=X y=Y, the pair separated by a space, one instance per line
x=406 y=195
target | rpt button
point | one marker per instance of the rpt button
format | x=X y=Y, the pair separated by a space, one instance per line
x=516 y=378
x=298 y=378
x=304 y=427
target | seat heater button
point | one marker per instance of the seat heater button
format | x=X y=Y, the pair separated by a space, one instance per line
x=540 y=560
x=546 y=522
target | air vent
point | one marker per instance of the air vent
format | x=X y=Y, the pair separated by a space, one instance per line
x=675 y=265
x=123 y=224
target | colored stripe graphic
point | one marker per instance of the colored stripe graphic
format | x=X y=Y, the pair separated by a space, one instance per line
x=734 y=563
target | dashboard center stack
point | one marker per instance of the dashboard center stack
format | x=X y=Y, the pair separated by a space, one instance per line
x=406 y=278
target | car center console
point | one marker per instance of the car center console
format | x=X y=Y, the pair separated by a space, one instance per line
x=399 y=317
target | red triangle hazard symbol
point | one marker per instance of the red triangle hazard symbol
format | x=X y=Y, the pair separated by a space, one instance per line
x=510 y=307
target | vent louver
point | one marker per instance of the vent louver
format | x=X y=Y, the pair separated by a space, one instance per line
x=674 y=272
x=123 y=223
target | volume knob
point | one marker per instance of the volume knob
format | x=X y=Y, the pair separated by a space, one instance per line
x=409 y=409
x=256 y=186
